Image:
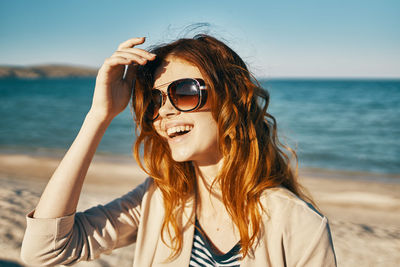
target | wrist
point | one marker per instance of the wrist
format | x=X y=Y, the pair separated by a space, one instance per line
x=98 y=117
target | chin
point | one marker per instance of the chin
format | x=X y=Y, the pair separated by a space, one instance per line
x=181 y=155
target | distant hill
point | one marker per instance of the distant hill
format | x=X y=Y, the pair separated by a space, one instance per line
x=46 y=71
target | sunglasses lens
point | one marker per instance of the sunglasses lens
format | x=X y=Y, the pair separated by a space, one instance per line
x=185 y=94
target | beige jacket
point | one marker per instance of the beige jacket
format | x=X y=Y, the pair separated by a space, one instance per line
x=295 y=234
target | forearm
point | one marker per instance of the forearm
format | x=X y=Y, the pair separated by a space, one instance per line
x=61 y=194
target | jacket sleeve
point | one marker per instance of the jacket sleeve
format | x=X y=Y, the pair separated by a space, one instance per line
x=308 y=240
x=83 y=235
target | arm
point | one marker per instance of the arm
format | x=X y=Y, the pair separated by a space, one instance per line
x=54 y=216
x=61 y=195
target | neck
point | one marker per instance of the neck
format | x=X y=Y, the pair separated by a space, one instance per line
x=208 y=194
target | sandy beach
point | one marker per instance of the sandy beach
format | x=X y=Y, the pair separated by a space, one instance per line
x=364 y=214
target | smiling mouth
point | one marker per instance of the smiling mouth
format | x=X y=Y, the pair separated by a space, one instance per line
x=178 y=131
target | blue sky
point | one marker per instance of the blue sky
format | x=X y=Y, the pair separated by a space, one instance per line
x=276 y=38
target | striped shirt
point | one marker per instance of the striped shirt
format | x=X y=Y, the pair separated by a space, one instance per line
x=204 y=253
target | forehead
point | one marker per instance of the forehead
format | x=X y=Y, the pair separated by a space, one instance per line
x=174 y=68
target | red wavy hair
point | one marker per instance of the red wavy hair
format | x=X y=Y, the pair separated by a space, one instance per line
x=254 y=158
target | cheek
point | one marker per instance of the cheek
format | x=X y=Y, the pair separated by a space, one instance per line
x=210 y=128
x=157 y=127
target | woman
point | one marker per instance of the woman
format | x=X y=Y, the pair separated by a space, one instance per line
x=221 y=191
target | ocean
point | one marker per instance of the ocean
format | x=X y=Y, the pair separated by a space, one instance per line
x=339 y=125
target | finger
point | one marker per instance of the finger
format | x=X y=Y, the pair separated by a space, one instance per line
x=141 y=52
x=132 y=42
x=135 y=58
x=117 y=60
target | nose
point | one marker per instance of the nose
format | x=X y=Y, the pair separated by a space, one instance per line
x=168 y=110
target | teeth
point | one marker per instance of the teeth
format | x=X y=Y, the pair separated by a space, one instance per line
x=178 y=129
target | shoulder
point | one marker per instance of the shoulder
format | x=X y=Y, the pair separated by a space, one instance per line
x=283 y=206
x=136 y=196
x=302 y=232
x=145 y=187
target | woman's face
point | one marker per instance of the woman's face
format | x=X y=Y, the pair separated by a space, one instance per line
x=200 y=144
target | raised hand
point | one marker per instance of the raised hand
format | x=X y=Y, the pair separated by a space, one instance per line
x=113 y=91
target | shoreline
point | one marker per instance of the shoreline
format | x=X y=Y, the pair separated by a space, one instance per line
x=116 y=174
x=364 y=215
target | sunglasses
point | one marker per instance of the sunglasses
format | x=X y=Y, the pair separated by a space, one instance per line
x=184 y=94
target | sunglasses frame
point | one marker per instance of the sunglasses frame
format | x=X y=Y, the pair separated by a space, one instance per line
x=202 y=94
